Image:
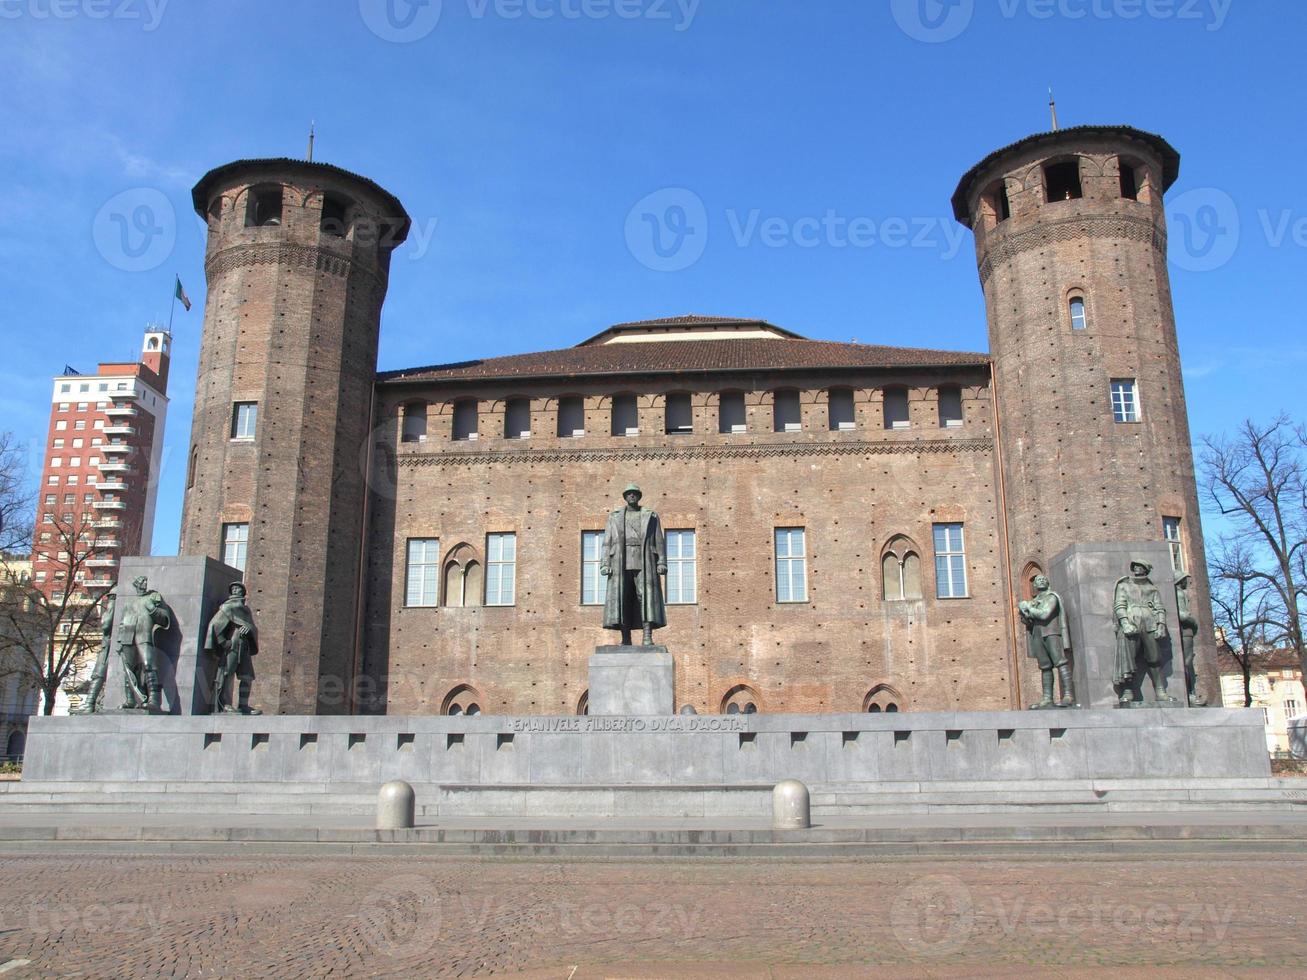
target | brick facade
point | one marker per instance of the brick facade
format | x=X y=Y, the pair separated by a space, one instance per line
x=292 y=324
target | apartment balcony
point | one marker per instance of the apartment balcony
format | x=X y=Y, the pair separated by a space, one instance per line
x=99 y=583
x=115 y=466
x=112 y=486
x=121 y=411
x=106 y=543
x=102 y=562
x=110 y=505
x=107 y=524
x=117 y=449
x=120 y=430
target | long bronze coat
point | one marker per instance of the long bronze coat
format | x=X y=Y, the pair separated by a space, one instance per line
x=654 y=552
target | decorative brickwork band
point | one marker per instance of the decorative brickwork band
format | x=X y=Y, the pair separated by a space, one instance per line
x=1079 y=228
x=654 y=453
x=283 y=253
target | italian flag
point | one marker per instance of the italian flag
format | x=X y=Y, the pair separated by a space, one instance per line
x=181 y=295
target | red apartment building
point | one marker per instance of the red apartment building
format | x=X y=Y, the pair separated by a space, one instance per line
x=102 y=457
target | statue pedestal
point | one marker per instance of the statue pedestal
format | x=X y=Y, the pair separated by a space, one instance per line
x=193 y=588
x=1085 y=575
x=632 y=680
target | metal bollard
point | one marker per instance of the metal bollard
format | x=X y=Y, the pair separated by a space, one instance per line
x=789 y=806
x=396 y=805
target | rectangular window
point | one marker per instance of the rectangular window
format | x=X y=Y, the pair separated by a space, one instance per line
x=1171 y=531
x=235 y=541
x=594 y=586
x=501 y=568
x=682 y=561
x=950 y=562
x=72 y=479
x=244 y=420
x=1291 y=708
x=1125 y=400
x=423 y=571
x=82 y=406
x=56 y=461
x=791 y=565
x=60 y=425
x=52 y=480
x=50 y=499
x=79 y=424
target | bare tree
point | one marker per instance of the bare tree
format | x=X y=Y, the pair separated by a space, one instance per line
x=1241 y=608
x=1256 y=480
x=47 y=629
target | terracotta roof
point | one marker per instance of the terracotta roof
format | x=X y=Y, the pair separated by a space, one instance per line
x=681 y=356
x=1282 y=659
x=688 y=322
x=1169 y=155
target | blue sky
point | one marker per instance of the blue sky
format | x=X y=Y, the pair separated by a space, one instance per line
x=523 y=134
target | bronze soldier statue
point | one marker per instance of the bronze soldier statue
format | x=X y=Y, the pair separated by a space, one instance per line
x=1046 y=632
x=634 y=559
x=1188 y=630
x=90 y=701
x=1140 y=624
x=233 y=639
x=143 y=614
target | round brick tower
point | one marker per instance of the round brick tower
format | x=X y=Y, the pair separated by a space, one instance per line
x=1093 y=432
x=297 y=265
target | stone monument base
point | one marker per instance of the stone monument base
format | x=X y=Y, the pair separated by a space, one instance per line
x=632 y=680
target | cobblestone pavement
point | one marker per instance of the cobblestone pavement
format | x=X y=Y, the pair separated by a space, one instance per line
x=413 y=917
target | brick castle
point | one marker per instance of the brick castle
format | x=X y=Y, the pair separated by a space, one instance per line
x=850 y=526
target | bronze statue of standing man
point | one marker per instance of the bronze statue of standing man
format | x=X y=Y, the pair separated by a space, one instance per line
x=634 y=559
x=1140 y=624
x=90 y=701
x=234 y=640
x=143 y=614
x=1045 y=621
x=1188 y=630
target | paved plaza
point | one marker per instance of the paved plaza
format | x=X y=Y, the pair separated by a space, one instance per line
x=138 y=916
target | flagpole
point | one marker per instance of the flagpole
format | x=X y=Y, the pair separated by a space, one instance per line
x=173 y=308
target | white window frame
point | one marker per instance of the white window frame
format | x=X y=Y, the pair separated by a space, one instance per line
x=1125 y=400
x=950 y=560
x=1080 y=322
x=422 y=573
x=235 y=544
x=682 y=567
x=1171 y=532
x=791 y=568
x=594 y=585
x=501 y=568
x=244 y=421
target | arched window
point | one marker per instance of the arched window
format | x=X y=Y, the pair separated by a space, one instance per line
x=994 y=204
x=840 y=407
x=730 y=412
x=517 y=418
x=880 y=698
x=463 y=699
x=413 y=424
x=1076 y=307
x=896 y=408
x=740 y=700
x=679 y=416
x=583 y=703
x=263 y=207
x=900 y=566
x=571 y=416
x=15 y=744
x=1062 y=181
x=786 y=416
x=465 y=420
x=190 y=470
x=334 y=212
x=950 y=406
x=625 y=416
x=462 y=580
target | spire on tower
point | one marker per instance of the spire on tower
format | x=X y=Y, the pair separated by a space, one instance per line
x=1052 y=107
x=311 y=135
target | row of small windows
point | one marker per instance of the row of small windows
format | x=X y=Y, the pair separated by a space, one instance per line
x=678 y=415
x=457 y=580
x=1063 y=182
x=265 y=206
